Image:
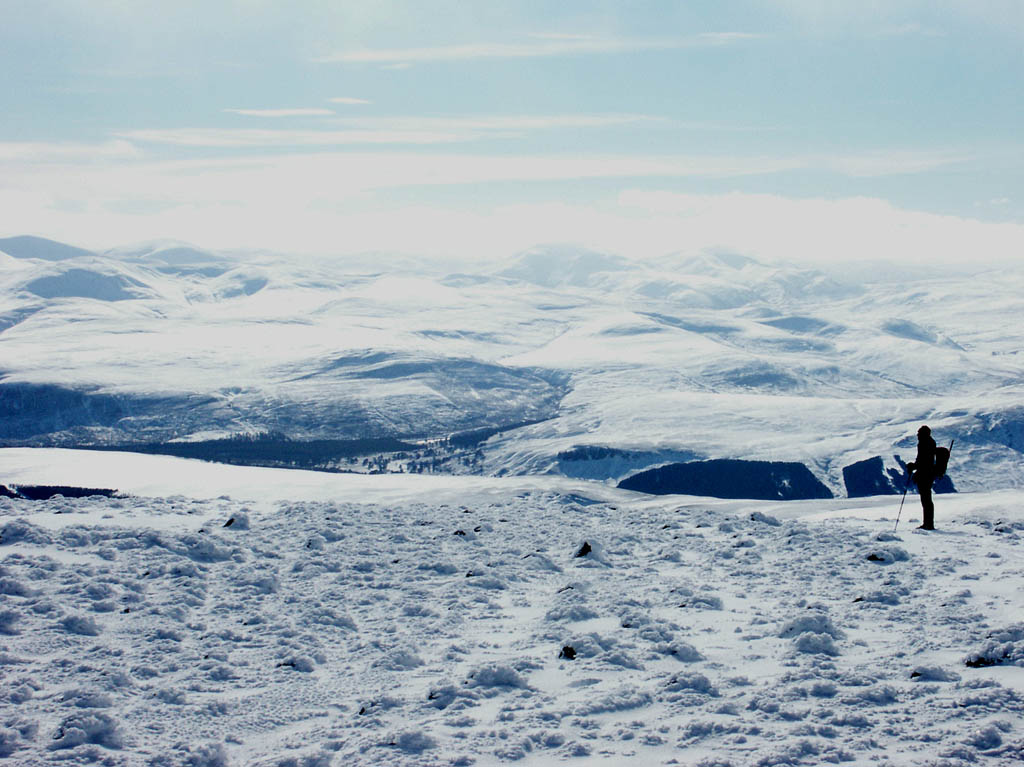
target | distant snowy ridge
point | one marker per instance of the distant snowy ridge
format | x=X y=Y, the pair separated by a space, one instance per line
x=690 y=356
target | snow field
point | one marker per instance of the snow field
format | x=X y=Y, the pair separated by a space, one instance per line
x=426 y=632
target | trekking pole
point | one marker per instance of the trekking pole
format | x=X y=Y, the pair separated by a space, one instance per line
x=905 y=489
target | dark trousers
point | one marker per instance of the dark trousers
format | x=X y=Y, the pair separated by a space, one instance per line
x=924 y=488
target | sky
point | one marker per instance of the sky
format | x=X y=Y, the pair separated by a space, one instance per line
x=807 y=130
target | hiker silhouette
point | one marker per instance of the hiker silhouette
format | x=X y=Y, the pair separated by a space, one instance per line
x=923 y=474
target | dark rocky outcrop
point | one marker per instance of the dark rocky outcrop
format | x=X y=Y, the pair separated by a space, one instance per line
x=45 y=492
x=870 y=477
x=730 y=478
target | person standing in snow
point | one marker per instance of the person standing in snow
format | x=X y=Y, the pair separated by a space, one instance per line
x=922 y=471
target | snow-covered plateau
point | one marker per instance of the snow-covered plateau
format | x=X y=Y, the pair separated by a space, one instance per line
x=224 y=615
x=566 y=361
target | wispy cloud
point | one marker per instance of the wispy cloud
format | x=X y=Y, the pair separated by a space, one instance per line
x=465 y=167
x=383 y=130
x=891 y=163
x=253 y=138
x=66 y=151
x=536 y=47
x=499 y=123
x=725 y=38
x=349 y=101
x=303 y=112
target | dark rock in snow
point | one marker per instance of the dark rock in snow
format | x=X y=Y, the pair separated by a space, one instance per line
x=728 y=478
x=870 y=477
x=584 y=550
x=567 y=652
x=45 y=492
x=1005 y=647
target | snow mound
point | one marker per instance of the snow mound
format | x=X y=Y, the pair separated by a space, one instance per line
x=412 y=742
x=561 y=266
x=886 y=555
x=933 y=674
x=496 y=675
x=625 y=698
x=1005 y=647
x=85 y=625
x=39 y=247
x=92 y=727
x=815 y=644
x=88 y=283
x=8 y=621
x=691 y=682
x=23 y=531
x=814 y=622
x=16 y=733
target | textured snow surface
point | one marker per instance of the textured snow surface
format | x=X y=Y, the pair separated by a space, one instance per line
x=395 y=621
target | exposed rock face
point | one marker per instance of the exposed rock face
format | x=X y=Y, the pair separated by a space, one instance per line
x=728 y=478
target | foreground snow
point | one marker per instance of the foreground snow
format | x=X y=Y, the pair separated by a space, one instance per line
x=400 y=620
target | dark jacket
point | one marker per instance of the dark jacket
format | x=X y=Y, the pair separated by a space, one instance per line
x=924 y=464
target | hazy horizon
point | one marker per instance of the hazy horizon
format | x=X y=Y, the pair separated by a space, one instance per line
x=783 y=130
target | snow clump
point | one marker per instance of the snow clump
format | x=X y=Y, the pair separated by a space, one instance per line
x=812 y=633
x=495 y=675
x=591 y=551
x=8 y=619
x=92 y=727
x=886 y=555
x=23 y=531
x=1005 y=647
x=987 y=738
x=15 y=734
x=412 y=742
x=933 y=674
x=625 y=698
x=85 y=625
x=815 y=622
x=239 y=521
x=691 y=683
x=816 y=644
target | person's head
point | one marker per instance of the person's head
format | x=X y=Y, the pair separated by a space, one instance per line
x=924 y=431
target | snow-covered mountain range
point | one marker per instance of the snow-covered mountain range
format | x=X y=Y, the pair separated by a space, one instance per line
x=568 y=361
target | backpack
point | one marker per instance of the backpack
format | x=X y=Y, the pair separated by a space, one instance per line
x=941 y=461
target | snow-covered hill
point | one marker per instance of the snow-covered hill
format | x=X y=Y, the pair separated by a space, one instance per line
x=246 y=616
x=709 y=355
